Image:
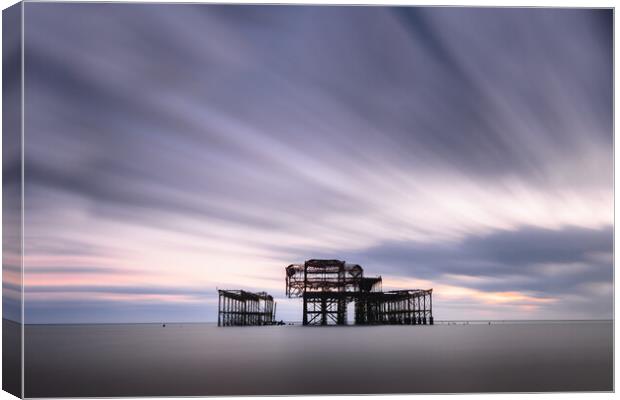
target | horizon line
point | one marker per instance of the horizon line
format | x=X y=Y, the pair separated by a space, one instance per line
x=294 y=321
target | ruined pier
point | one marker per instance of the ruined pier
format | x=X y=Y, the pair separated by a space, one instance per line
x=241 y=308
x=326 y=287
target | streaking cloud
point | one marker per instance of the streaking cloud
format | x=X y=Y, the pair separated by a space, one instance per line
x=173 y=149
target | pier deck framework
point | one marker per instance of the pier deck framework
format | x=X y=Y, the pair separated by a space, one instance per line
x=241 y=308
x=326 y=287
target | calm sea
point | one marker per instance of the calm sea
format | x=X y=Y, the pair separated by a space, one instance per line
x=202 y=359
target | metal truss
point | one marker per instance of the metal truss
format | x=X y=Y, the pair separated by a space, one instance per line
x=241 y=308
x=328 y=286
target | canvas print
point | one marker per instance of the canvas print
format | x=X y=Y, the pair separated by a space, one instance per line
x=230 y=199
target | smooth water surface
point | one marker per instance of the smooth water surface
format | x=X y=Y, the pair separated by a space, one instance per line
x=202 y=359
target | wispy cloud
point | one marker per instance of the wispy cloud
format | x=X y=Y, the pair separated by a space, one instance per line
x=209 y=145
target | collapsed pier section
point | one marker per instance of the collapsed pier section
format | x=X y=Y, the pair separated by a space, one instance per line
x=241 y=308
x=397 y=307
x=326 y=287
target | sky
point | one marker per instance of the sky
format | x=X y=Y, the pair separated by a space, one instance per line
x=171 y=150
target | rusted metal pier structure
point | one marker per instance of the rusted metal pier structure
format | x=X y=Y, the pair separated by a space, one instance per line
x=328 y=286
x=241 y=308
